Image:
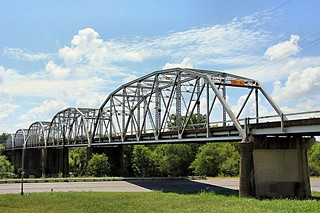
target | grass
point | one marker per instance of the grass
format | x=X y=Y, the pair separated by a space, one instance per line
x=150 y=202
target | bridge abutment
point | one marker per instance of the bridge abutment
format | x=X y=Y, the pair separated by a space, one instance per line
x=275 y=167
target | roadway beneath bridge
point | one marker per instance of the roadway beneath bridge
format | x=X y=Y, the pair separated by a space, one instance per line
x=179 y=186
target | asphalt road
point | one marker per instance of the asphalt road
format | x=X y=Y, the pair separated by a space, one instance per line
x=214 y=184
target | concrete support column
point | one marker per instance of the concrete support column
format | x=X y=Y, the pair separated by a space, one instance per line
x=32 y=163
x=56 y=161
x=89 y=156
x=65 y=162
x=117 y=161
x=247 y=184
x=17 y=159
x=44 y=162
x=275 y=166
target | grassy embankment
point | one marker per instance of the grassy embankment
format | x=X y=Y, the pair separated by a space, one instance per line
x=150 y=202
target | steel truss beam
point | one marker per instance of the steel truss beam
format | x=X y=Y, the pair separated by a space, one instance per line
x=161 y=106
x=168 y=100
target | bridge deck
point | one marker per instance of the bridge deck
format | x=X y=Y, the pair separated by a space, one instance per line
x=302 y=127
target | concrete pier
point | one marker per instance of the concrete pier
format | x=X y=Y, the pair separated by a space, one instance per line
x=56 y=160
x=275 y=167
x=33 y=163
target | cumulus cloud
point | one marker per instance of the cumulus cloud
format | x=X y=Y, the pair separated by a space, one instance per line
x=184 y=64
x=56 y=70
x=88 y=48
x=7 y=108
x=283 y=49
x=298 y=85
x=45 y=112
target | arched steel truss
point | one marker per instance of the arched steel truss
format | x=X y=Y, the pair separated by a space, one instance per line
x=37 y=134
x=10 y=141
x=72 y=126
x=20 y=138
x=164 y=106
x=141 y=110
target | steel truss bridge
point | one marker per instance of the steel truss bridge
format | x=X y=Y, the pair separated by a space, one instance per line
x=171 y=106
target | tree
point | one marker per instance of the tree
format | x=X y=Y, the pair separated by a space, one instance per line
x=314 y=159
x=215 y=159
x=3 y=138
x=193 y=122
x=98 y=166
x=144 y=162
x=174 y=159
x=6 y=169
x=2 y=148
x=78 y=161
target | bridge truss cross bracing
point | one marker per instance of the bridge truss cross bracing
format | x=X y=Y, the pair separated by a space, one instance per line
x=168 y=106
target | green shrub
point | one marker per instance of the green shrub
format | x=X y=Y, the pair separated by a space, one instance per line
x=98 y=166
x=314 y=159
x=78 y=161
x=6 y=169
x=144 y=162
x=174 y=159
x=216 y=159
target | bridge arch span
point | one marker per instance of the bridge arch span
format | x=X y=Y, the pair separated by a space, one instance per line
x=10 y=141
x=20 y=138
x=142 y=109
x=37 y=134
x=72 y=126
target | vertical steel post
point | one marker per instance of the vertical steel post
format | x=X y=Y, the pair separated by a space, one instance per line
x=123 y=113
x=138 y=110
x=198 y=102
x=208 y=109
x=178 y=104
x=257 y=105
x=110 y=122
x=157 y=107
x=224 y=113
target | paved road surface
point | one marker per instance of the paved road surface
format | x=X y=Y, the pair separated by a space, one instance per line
x=214 y=184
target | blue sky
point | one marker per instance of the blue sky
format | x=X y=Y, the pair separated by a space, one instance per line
x=55 y=54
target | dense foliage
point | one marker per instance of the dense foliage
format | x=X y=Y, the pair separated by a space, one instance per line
x=211 y=159
x=6 y=169
x=314 y=159
x=78 y=161
x=217 y=159
x=98 y=165
x=144 y=162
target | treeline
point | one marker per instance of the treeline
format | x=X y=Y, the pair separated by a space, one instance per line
x=211 y=159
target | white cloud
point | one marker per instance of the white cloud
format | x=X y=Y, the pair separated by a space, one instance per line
x=45 y=112
x=56 y=70
x=250 y=108
x=7 y=108
x=184 y=64
x=298 y=85
x=88 y=48
x=25 y=55
x=130 y=77
x=283 y=49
